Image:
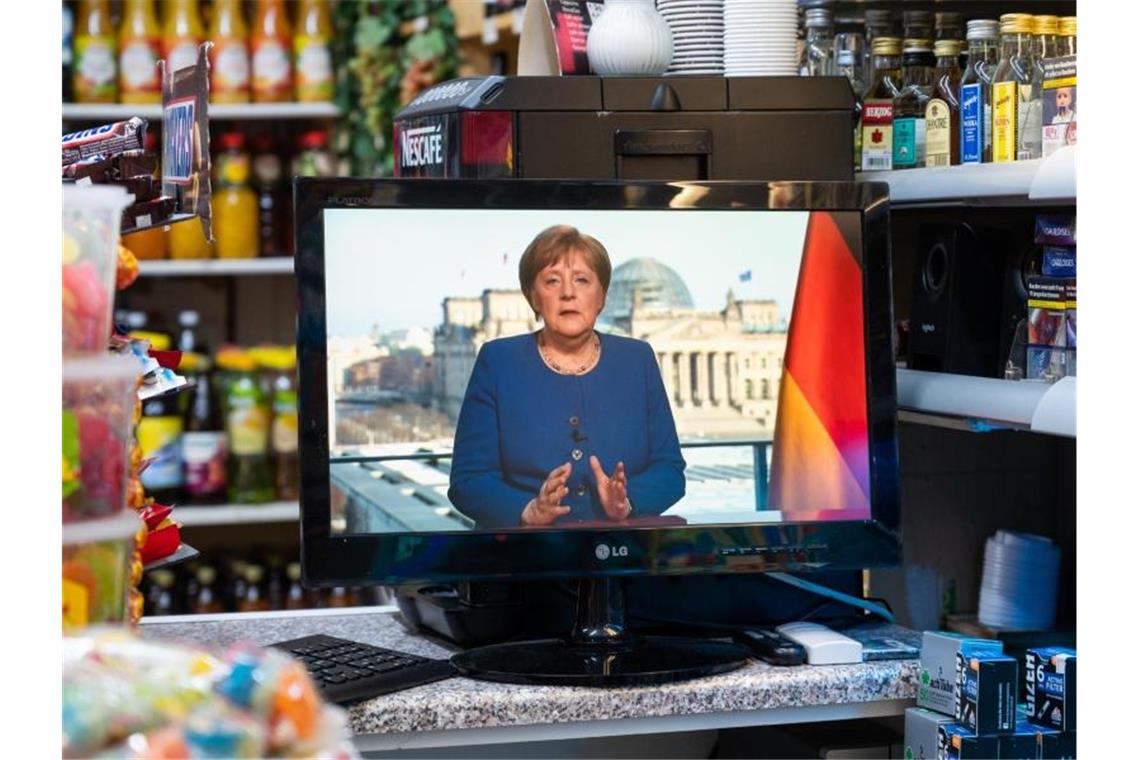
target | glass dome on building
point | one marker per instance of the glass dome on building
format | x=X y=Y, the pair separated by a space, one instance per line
x=657 y=287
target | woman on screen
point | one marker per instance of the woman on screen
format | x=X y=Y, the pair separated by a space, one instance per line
x=565 y=424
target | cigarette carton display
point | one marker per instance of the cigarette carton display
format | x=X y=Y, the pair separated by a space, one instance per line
x=939 y=665
x=920 y=732
x=1059 y=103
x=956 y=742
x=986 y=693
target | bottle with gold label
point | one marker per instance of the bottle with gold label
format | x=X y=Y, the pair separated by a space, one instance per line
x=312 y=53
x=271 y=41
x=229 y=56
x=1067 y=35
x=878 y=103
x=1013 y=85
x=909 y=133
x=94 y=75
x=942 y=108
x=1044 y=47
x=182 y=33
x=140 y=44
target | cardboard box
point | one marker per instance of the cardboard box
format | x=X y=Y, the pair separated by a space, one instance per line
x=1022 y=744
x=1053 y=703
x=939 y=665
x=920 y=732
x=986 y=693
x=956 y=742
x=1056 y=745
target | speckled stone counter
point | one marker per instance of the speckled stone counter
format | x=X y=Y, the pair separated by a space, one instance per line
x=461 y=703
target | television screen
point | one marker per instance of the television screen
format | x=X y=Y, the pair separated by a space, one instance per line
x=545 y=369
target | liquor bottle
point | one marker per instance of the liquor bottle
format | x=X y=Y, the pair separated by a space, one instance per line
x=878 y=104
x=207 y=600
x=975 y=117
x=140 y=44
x=160 y=596
x=1067 y=35
x=942 y=108
x=1013 y=85
x=253 y=599
x=909 y=113
x=877 y=22
x=296 y=598
x=816 y=59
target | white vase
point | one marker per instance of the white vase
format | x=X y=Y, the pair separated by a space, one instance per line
x=630 y=38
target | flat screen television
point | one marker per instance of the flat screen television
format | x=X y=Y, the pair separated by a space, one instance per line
x=593 y=380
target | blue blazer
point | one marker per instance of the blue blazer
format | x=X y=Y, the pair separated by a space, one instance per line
x=520 y=420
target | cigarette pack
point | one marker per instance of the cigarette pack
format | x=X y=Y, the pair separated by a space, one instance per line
x=939 y=662
x=1059 y=103
x=1059 y=261
x=986 y=693
x=920 y=732
x=956 y=742
x=1051 y=687
x=1047 y=305
x=1051 y=229
x=1023 y=743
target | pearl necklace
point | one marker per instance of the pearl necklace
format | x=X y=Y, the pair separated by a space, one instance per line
x=596 y=349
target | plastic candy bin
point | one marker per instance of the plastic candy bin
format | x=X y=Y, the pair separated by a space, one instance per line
x=96 y=570
x=91 y=217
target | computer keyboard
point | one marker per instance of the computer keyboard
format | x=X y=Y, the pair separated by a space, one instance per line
x=349 y=671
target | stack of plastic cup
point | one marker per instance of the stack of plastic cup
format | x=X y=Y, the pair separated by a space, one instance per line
x=1019 y=582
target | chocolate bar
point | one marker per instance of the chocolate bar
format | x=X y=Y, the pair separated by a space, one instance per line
x=98 y=169
x=107 y=140
x=147 y=214
x=144 y=188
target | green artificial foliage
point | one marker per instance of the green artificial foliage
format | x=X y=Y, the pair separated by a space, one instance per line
x=386 y=51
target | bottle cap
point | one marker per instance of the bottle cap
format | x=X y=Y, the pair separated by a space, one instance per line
x=877 y=17
x=316 y=139
x=1016 y=23
x=981 y=29
x=253 y=574
x=886 y=46
x=1045 y=25
x=188 y=318
x=913 y=45
x=1067 y=25
x=232 y=141
x=817 y=18
x=163 y=578
x=207 y=575
x=946 y=20
x=945 y=48
x=293 y=571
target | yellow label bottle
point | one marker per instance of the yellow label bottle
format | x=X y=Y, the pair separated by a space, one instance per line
x=1012 y=80
x=96 y=62
x=229 y=57
x=272 y=63
x=140 y=44
x=312 y=53
x=182 y=33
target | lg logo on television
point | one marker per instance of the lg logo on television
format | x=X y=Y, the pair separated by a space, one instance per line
x=604 y=552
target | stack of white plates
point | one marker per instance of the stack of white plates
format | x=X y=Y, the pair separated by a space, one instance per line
x=1019 y=582
x=698 y=35
x=760 y=37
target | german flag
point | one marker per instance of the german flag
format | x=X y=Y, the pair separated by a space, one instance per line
x=820 y=461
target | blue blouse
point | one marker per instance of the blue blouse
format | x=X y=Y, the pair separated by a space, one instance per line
x=520 y=420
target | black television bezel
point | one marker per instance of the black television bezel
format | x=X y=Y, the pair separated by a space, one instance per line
x=330 y=559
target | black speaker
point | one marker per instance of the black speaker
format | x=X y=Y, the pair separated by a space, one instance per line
x=1022 y=261
x=956 y=299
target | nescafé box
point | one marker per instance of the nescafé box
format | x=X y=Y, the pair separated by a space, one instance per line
x=986 y=692
x=939 y=659
x=956 y=742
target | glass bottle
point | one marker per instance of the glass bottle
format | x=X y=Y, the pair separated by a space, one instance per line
x=286 y=464
x=140 y=44
x=909 y=133
x=877 y=22
x=1067 y=35
x=207 y=600
x=1013 y=86
x=1044 y=47
x=918 y=25
x=816 y=59
x=1045 y=30
x=975 y=118
x=296 y=597
x=160 y=596
x=68 y=44
x=236 y=584
x=249 y=477
x=254 y=598
x=234 y=201
x=314 y=159
x=182 y=33
x=312 y=53
x=187 y=240
x=95 y=77
x=878 y=104
x=948 y=26
x=849 y=49
x=274 y=204
x=229 y=56
x=942 y=132
x=271 y=41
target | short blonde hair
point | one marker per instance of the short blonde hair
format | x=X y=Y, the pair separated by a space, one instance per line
x=550 y=245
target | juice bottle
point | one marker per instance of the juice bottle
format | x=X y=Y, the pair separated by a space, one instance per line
x=140 y=44
x=229 y=57
x=234 y=201
x=249 y=479
x=95 y=79
x=312 y=54
x=271 y=41
x=182 y=33
x=187 y=241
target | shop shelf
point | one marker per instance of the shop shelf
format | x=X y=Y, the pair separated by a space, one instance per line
x=982 y=403
x=215 y=267
x=1042 y=181
x=237 y=514
x=218 y=112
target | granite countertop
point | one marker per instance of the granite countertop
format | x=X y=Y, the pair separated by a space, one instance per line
x=460 y=703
